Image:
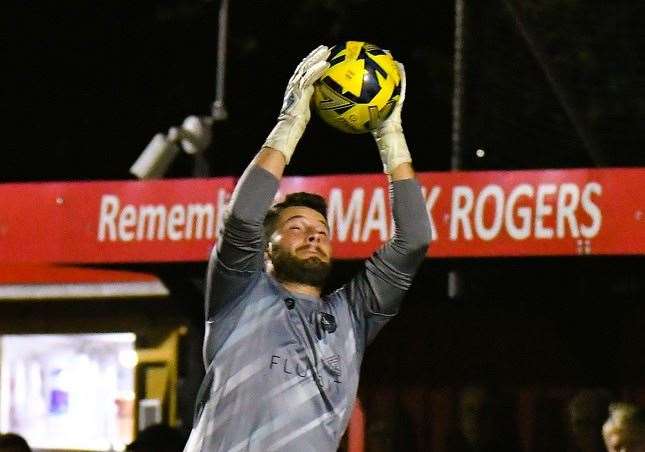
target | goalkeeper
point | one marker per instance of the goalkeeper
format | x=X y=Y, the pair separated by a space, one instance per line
x=283 y=362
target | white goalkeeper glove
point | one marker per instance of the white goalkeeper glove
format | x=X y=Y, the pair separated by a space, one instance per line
x=295 y=112
x=389 y=135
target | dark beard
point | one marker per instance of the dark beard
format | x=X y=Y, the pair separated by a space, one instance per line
x=310 y=271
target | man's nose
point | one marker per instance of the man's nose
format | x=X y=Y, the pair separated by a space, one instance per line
x=313 y=237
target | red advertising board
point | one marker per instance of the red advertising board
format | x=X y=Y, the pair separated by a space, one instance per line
x=473 y=214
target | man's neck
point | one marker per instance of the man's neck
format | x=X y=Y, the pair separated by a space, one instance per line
x=299 y=288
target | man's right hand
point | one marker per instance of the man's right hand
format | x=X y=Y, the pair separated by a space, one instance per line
x=295 y=112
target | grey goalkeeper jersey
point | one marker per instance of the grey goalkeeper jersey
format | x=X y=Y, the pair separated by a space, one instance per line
x=283 y=368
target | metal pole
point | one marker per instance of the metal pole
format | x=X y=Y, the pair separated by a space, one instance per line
x=458 y=87
x=454 y=279
x=218 y=111
x=595 y=153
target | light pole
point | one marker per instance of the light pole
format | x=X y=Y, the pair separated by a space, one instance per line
x=455 y=281
x=195 y=134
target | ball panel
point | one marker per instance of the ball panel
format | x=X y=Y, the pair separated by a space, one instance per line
x=327 y=98
x=353 y=49
x=371 y=87
x=356 y=118
x=348 y=76
x=389 y=66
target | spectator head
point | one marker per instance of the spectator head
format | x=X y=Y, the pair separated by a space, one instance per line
x=474 y=411
x=157 y=438
x=588 y=411
x=10 y=442
x=624 y=430
x=486 y=416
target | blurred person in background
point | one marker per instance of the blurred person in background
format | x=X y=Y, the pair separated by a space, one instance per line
x=10 y=442
x=587 y=411
x=157 y=438
x=389 y=427
x=486 y=422
x=624 y=430
x=550 y=431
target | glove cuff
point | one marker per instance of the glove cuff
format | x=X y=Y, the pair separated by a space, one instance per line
x=285 y=136
x=392 y=147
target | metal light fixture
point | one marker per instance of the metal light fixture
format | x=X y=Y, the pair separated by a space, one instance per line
x=195 y=133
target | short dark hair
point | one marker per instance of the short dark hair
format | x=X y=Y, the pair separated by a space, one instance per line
x=299 y=199
x=158 y=438
x=12 y=442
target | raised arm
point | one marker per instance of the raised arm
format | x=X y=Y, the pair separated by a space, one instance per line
x=240 y=252
x=376 y=292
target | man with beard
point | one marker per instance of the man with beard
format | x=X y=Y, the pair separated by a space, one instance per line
x=282 y=361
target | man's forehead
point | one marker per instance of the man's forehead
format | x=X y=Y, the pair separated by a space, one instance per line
x=299 y=212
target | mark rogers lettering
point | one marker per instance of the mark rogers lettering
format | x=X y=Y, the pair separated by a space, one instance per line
x=544 y=211
x=472 y=214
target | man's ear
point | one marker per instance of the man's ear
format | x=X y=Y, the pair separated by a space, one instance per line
x=268 y=263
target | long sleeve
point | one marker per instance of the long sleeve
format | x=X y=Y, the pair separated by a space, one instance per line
x=239 y=252
x=375 y=294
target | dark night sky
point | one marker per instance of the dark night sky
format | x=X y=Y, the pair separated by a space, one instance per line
x=89 y=83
